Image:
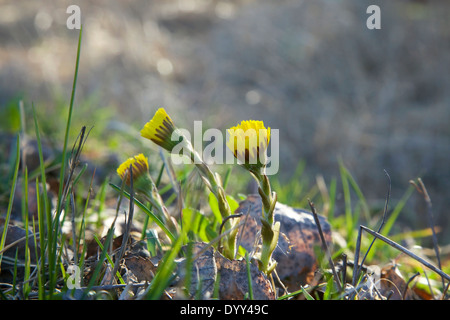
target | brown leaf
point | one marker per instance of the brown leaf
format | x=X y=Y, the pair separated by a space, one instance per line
x=141 y=267
x=423 y=294
x=392 y=280
x=137 y=260
x=93 y=248
x=15 y=237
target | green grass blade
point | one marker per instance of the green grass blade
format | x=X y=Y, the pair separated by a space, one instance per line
x=359 y=194
x=348 y=203
x=249 y=276
x=99 y=262
x=69 y=121
x=332 y=199
x=16 y=258
x=227 y=178
x=398 y=208
x=157 y=183
x=153 y=243
x=109 y=259
x=391 y=220
x=163 y=276
x=306 y=294
x=54 y=237
x=147 y=212
x=82 y=233
x=51 y=253
x=26 y=285
x=42 y=243
x=11 y=198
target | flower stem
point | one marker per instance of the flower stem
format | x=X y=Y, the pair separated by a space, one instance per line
x=147 y=188
x=269 y=230
x=214 y=183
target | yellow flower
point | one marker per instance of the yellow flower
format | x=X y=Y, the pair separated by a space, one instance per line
x=139 y=164
x=144 y=185
x=160 y=129
x=248 y=141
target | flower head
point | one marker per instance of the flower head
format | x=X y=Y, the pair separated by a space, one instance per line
x=139 y=164
x=160 y=129
x=248 y=141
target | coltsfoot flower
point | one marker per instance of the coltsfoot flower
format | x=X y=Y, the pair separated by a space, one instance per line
x=160 y=129
x=248 y=141
x=144 y=186
x=139 y=164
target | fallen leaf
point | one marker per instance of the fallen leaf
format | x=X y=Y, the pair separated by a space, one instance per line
x=392 y=280
x=15 y=238
x=140 y=265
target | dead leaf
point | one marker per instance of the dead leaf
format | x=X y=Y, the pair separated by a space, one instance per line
x=392 y=280
x=141 y=267
x=93 y=249
x=15 y=238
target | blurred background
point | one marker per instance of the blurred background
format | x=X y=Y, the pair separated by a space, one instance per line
x=375 y=99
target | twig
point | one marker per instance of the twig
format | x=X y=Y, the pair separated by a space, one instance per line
x=356 y=269
x=389 y=295
x=344 y=267
x=128 y=228
x=324 y=244
x=115 y=286
x=74 y=235
x=427 y=199
x=407 y=284
x=383 y=220
x=428 y=283
x=407 y=252
x=249 y=277
x=279 y=281
x=74 y=160
x=445 y=291
x=12 y=244
x=73 y=163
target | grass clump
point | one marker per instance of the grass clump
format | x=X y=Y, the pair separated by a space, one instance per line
x=55 y=263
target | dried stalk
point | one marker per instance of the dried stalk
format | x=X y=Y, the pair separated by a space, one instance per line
x=407 y=252
x=324 y=245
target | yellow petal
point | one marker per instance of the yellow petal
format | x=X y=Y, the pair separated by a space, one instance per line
x=248 y=139
x=159 y=129
x=139 y=164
